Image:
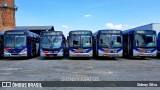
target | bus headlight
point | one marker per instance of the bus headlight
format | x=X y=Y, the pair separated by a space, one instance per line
x=5 y=51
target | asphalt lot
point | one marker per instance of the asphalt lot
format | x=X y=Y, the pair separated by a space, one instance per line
x=47 y=69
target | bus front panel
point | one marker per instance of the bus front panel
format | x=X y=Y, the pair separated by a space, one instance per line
x=15 y=46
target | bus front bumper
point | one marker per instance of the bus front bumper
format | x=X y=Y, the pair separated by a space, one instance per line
x=60 y=54
x=72 y=54
x=136 y=53
x=24 y=54
x=103 y=54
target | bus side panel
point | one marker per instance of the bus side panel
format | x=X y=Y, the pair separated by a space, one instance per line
x=1 y=46
x=94 y=46
x=97 y=44
x=131 y=43
x=158 y=45
x=125 y=45
x=37 y=48
x=28 y=50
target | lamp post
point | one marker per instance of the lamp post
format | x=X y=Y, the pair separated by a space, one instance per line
x=5 y=5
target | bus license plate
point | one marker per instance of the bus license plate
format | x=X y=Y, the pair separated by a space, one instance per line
x=145 y=54
x=80 y=55
x=51 y=55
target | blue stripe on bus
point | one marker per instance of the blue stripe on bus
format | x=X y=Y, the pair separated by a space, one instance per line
x=87 y=51
x=137 y=49
x=16 y=50
x=111 y=51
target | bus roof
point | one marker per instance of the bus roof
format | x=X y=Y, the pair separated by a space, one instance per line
x=27 y=31
x=133 y=30
x=50 y=32
x=105 y=30
x=109 y=30
x=80 y=31
x=17 y=30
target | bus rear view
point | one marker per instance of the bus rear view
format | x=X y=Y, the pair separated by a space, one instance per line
x=80 y=43
x=108 y=43
x=52 y=44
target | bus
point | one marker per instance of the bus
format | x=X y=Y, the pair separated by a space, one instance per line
x=20 y=43
x=80 y=43
x=52 y=44
x=158 y=45
x=108 y=43
x=1 y=43
x=140 y=43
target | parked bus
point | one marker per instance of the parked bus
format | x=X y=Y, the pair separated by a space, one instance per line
x=108 y=43
x=52 y=44
x=158 y=45
x=80 y=43
x=140 y=43
x=20 y=43
x=1 y=44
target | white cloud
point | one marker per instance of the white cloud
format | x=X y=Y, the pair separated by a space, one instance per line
x=65 y=26
x=111 y=26
x=118 y=26
x=86 y=16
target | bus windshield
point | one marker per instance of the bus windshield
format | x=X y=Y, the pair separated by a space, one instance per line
x=15 y=41
x=109 y=40
x=143 y=40
x=83 y=41
x=51 y=42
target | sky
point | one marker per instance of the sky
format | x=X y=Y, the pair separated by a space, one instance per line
x=67 y=15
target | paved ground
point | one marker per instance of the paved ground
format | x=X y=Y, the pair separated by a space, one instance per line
x=44 y=69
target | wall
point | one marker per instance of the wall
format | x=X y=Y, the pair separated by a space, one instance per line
x=7 y=15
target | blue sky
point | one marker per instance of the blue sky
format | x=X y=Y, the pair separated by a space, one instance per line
x=66 y=15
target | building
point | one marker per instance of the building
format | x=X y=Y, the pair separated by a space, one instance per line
x=7 y=19
x=7 y=15
x=35 y=29
x=152 y=26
